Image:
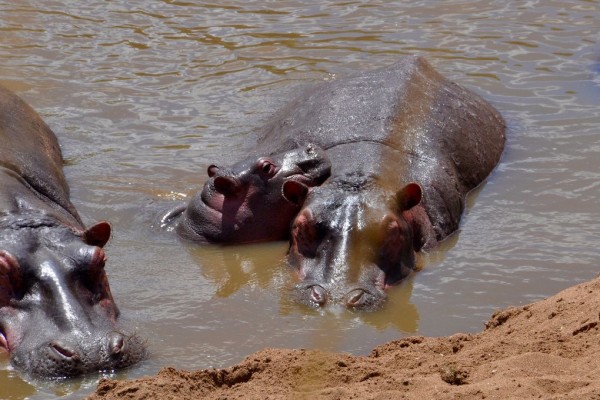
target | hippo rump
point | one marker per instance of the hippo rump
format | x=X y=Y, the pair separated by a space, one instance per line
x=406 y=145
x=57 y=315
x=253 y=201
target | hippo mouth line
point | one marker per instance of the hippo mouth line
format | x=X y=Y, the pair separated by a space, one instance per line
x=353 y=297
x=209 y=205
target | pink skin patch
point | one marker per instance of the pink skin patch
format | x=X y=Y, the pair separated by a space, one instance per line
x=230 y=209
x=9 y=276
x=3 y=342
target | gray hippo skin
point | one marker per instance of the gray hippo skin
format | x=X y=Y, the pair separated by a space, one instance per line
x=255 y=200
x=57 y=315
x=406 y=145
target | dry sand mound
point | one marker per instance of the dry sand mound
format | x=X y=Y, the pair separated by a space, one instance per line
x=549 y=350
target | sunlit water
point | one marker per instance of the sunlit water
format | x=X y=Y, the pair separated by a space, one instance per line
x=143 y=95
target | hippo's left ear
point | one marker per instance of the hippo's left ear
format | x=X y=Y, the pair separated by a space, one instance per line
x=97 y=234
x=409 y=196
x=294 y=192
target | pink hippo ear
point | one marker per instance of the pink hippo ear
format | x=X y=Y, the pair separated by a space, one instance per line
x=98 y=234
x=409 y=196
x=294 y=192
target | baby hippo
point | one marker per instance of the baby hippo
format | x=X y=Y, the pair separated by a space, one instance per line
x=255 y=200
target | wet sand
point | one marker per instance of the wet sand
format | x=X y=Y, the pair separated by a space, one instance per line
x=548 y=349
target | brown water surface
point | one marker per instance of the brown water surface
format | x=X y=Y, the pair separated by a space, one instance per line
x=144 y=95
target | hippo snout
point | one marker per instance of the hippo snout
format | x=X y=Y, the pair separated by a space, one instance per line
x=62 y=350
x=317 y=296
x=67 y=357
x=226 y=185
x=224 y=181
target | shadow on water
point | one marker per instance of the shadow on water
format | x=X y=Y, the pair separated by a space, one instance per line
x=231 y=268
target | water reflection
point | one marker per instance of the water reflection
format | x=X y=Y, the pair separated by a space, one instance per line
x=13 y=387
x=230 y=268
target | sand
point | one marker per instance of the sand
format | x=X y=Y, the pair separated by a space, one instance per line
x=548 y=350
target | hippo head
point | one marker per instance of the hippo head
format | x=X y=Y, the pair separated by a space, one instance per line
x=57 y=315
x=348 y=244
x=256 y=199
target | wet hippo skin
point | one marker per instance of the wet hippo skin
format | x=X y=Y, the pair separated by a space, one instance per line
x=406 y=145
x=57 y=315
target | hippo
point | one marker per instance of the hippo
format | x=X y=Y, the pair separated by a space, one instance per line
x=58 y=318
x=406 y=145
x=253 y=201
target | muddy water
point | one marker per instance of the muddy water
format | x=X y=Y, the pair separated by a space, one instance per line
x=145 y=94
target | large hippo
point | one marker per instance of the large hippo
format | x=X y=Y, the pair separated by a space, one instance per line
x=406 y=145
x=255 y=200
x=57 y=314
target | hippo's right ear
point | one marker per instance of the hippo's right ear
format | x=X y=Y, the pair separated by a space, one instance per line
x=294 y=192
x=97 y=234
x=409 y=196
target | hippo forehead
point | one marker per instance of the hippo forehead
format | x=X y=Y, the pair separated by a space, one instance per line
x=337 y=207
x=29 y=245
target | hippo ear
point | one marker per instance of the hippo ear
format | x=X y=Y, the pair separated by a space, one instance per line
x=294 y=192
x=98 y=234
x=409 y=196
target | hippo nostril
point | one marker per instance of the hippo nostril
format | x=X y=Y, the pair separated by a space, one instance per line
x=355 y=298
x=318 y=295
x=225 y=185
x=63 y=351
x=116 y=343
x=212 y=170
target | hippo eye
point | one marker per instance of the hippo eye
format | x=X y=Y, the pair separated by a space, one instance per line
x=267 y=167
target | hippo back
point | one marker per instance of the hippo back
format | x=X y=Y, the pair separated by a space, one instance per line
x=402 y=123
x=407 y=106
x=30 y=149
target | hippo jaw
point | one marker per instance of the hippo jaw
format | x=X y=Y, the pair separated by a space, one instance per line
x=349 y=248
x=57 y=315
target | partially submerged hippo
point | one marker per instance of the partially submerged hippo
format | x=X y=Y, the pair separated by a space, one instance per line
x=406 y=145
x=57 y=314
x=255 y=200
